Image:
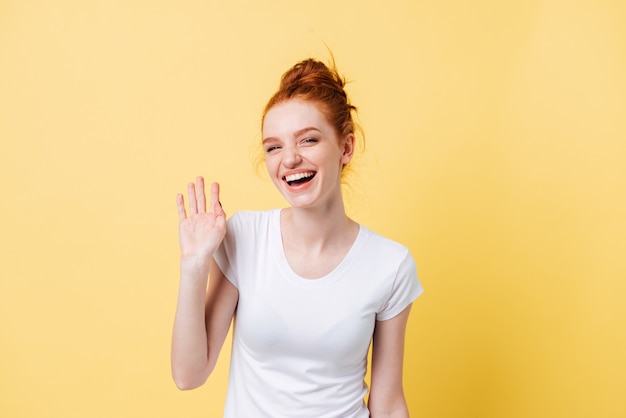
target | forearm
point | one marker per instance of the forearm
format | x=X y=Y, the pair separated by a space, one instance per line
x=190 y=364
x=398 y=414
x=393 y=408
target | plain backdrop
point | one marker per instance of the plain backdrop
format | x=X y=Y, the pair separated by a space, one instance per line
x=495 y=150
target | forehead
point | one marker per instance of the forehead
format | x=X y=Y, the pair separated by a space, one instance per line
x=289 y=117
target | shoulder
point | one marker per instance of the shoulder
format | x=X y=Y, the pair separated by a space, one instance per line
x=251 y=219
x=246 y=231
x=383 y=247
x=396 y=266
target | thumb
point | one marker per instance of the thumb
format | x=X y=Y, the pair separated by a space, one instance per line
x=215 y=200
x=218 y=209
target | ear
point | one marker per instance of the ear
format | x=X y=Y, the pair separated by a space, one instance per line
x=348 y=149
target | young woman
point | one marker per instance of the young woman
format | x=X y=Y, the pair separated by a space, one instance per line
x=308 y=287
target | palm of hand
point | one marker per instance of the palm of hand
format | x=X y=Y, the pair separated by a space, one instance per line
x=200 y=233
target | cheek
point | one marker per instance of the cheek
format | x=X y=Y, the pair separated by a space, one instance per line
x=271 y=165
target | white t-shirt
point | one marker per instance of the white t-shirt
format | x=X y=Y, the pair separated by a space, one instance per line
x=300 y=345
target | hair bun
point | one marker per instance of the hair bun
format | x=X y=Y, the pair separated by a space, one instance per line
x=313 y=80
x=312 y=72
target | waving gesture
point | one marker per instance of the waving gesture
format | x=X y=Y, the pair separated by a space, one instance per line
x=200 y=233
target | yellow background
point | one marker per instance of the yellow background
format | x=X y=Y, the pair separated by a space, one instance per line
x=496 y=150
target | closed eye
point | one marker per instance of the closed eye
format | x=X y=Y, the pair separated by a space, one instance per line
x=310 y=140
x=271 y=148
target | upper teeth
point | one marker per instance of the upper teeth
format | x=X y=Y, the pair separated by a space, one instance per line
x=298 y=176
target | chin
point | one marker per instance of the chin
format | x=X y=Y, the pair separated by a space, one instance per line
x=299 y=203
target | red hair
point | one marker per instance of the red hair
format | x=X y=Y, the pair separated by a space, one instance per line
x=313 y=80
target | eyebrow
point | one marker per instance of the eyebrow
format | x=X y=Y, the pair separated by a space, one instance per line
x=296 y=133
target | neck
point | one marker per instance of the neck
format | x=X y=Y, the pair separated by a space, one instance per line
x=317 y=229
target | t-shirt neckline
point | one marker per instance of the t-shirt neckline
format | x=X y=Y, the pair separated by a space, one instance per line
x=332 y=276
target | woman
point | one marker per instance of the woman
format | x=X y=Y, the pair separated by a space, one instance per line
x=309 y=288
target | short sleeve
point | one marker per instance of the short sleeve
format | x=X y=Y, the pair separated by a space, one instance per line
x=226 y=254
x=405 y=289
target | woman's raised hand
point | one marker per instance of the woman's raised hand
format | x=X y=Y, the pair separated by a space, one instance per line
x=200 y=233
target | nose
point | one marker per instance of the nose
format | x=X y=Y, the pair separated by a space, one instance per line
x=291 y=158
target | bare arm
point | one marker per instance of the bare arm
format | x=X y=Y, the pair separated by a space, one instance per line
x=203 y=316
x=386 y=398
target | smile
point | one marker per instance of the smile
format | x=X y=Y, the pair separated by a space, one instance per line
x=299 y=178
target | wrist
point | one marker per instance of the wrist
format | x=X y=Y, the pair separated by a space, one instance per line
x=195 y=265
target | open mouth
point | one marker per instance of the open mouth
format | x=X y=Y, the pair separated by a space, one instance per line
x=299 y=178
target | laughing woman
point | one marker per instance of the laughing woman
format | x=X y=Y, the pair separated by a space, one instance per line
x=309 y=288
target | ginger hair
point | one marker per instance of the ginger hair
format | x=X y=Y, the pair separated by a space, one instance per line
x=313 y=80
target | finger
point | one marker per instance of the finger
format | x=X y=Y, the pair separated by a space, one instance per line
x=193 y=205
x=201 y=194
x=180 y=203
